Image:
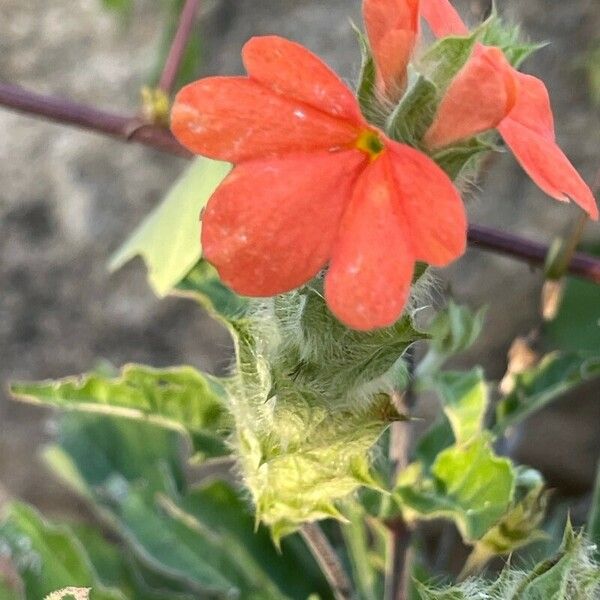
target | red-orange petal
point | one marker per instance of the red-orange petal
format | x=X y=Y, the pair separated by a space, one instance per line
x=369 y=279
x=529 y=132
x=393 y=28
x=532 y=107
x=270 y=226
x=430 y=205
x=442 y=18
x=547 y=165
x=479 y=97
x=290 y=70
x=236 y=119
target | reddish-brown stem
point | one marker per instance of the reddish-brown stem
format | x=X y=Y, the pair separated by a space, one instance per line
x=500 y=242
x=129 y=128
x=177 y=50
x=66 y=112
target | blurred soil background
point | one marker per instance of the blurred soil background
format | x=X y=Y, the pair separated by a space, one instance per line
x=68 y=198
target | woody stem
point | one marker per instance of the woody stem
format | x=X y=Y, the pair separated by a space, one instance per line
x=128 y=128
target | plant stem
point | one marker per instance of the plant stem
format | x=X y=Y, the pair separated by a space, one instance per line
x=130 y=128
x=178 y=46
x=328 y=561
x=66 y=112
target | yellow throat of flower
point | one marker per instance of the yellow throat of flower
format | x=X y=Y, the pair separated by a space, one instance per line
x=370 y=143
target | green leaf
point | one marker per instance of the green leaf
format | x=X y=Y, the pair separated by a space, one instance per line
x=577 y=326
x=495 y=32
x=415 y=112
x=310 y=400
x=468 y=484
x=455 y=159
x=199 y=541
x=452 y=331
x=177 y=398
x=465 y=401
x=367 y=542
x=533 y=389
x=169 y=238
x=446 y=58
x=518 y=527
x=366 y=92
x=47 y=556
x=202 y=284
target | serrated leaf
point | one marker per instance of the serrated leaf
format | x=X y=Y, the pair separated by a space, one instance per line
x=202 y=284
x=48 y=556
x=310 y=400
x=495 y=32
x=178 y=398
x=169 y=238
x=535 y=388
x=468 y=484
x=415 y=112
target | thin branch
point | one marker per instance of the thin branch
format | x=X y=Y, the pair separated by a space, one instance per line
x=534 y=253
x=66 y=112
x=328 y=561
x=129 y=128
x=178 y=46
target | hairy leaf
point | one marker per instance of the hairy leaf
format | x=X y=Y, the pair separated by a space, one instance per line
x=169 y=238
x=456 y=159
x=415 y=112
x=179 y=398
x=310 y=400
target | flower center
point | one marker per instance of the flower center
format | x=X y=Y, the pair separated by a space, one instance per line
x=370 y=143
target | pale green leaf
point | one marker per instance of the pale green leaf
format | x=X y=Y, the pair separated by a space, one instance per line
x=535 y=388
x=465 y=401
x=310 y=400
x=446 y=58
x=518 y=527
x=468 y=484
x=169 y=238
x=178 y=398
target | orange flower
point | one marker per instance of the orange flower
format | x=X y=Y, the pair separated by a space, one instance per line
x=488 y=93
x=442 y=18
x=393 y=29
x=314 y=183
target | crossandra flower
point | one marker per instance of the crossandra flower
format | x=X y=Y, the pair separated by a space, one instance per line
x=313 y=184
x=488 y=93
